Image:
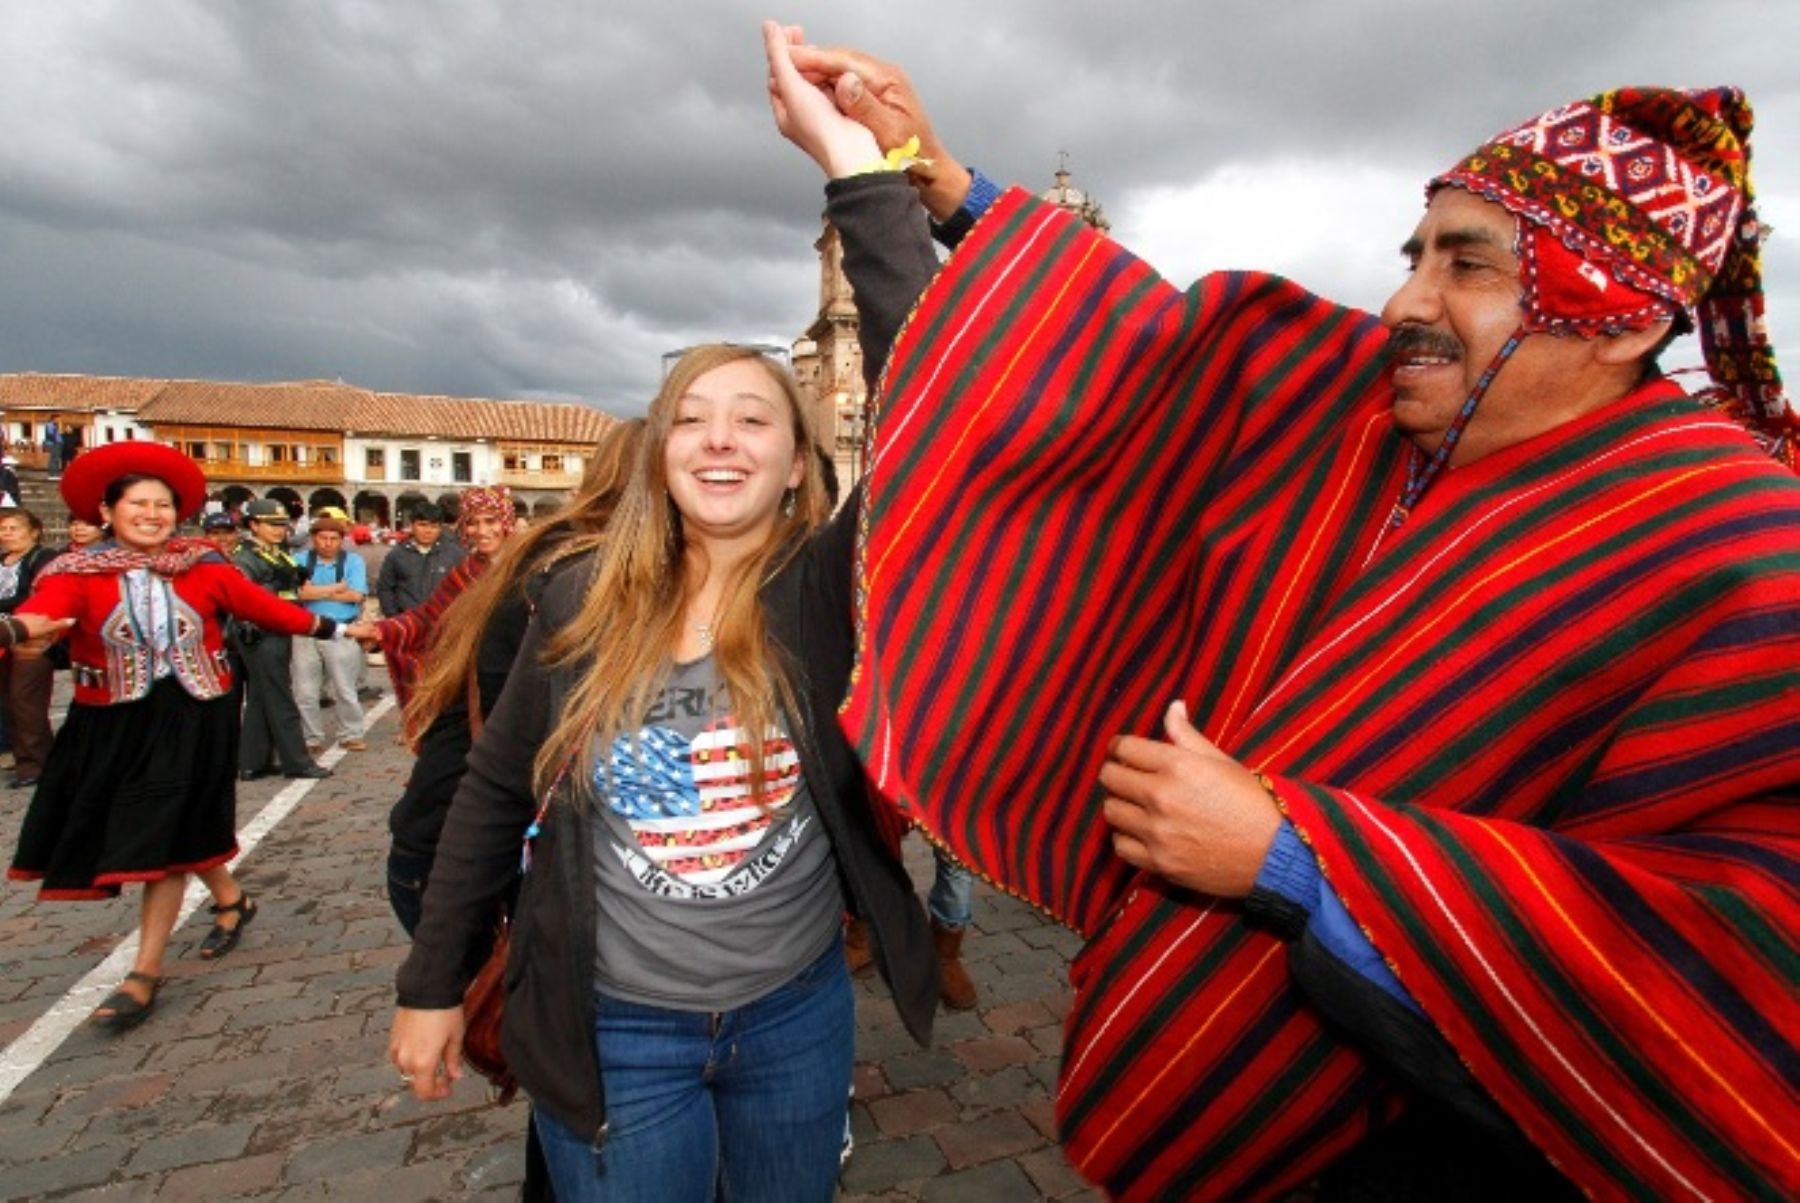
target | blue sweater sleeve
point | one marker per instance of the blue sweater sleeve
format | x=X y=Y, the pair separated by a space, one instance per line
x=1290 y=873
x=983 y=192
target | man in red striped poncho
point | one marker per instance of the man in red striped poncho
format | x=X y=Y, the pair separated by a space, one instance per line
x=1466 y=866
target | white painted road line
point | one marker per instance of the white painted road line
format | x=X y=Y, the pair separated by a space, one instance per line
x=23 y=1056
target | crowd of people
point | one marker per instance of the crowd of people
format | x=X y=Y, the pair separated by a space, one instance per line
x=1402 y=705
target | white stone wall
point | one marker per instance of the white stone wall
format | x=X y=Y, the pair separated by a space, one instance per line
x=437 y=464
x=114 y=427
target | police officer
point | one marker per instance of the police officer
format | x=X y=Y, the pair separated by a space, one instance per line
x=271 y=719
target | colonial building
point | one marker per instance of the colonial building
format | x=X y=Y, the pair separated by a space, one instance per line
x=319 y=442
x=827 y=359
x=100 y=409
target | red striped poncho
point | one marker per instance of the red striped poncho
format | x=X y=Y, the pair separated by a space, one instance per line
x=407 y=636
x=1544 y=739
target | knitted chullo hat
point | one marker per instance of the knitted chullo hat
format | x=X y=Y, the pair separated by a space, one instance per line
x=487 y=500
x=1640 y=208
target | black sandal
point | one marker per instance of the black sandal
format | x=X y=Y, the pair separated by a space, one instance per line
x=124 y=1010
x=221 y=939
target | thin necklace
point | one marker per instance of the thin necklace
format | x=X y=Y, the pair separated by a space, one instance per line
x=704 y=630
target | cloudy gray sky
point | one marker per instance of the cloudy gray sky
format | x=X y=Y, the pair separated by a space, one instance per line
x=540 y=198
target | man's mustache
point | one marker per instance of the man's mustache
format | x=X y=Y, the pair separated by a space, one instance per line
x=1412 y=341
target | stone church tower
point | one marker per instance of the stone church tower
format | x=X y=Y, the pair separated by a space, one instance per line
x=828 y=364
x=827 y=359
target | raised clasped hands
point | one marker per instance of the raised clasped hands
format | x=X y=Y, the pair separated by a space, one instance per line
x=806 y=112
x=872 y=94
x=1185 y=811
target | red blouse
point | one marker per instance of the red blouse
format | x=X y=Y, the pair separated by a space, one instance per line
x=113 y=660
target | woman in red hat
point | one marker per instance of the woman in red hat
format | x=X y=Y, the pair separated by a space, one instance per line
x=140 y=785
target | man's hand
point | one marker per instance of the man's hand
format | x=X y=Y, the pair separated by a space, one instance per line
x=809 y=118
x=1187 y=812
x=426 y=1047
x=879 y=96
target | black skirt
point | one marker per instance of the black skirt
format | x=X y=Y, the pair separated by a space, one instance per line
x=133 y=792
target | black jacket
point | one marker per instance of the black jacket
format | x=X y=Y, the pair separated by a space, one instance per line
x=418 y=817
x=278 y=572
x=410 y=574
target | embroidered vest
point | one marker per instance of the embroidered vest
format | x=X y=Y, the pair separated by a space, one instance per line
x=130 y=665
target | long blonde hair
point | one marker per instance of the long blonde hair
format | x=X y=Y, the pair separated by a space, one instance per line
x=580 y=525
x=620 y=641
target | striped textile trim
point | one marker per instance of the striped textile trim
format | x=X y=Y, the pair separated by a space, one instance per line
x=1543 y=740
x=1115 y=338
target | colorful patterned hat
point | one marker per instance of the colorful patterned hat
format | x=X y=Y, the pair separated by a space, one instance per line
x=1641 y=208
x=493 y=500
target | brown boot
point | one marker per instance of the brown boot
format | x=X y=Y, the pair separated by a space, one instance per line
x=857 y=953
x=955 y=986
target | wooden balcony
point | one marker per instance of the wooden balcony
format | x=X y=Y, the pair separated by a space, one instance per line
x=218 y=469
x=29 y=456
x=519 y=478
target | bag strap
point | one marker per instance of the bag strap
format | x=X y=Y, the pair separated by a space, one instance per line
x=311 y=561
x=537 y=821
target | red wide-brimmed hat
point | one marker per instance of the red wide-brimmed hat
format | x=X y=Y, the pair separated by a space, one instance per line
x=85 y=479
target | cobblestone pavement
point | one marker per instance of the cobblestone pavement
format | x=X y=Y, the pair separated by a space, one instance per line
x=263 y=1076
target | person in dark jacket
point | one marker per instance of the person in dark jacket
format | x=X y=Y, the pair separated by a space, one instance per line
x=413 y=570
x=705 y=825
x=26 y=670
x=272 y=733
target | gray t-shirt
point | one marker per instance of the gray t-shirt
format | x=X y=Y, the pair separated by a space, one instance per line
x=707 y=900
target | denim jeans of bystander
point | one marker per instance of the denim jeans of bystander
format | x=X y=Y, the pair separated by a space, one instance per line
x=952 y=898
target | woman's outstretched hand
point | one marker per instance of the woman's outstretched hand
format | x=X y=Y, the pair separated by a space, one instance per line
x=806 y=113
x=37 y=626
x=878 y=96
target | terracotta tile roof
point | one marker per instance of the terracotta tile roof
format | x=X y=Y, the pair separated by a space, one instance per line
x=77 y=394
x=308 y=405
x=470 y=418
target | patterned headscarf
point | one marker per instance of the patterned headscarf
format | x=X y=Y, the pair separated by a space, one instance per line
x=496 y=500
x=1636 y=207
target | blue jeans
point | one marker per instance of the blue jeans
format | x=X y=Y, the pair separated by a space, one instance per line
x=952 y=898
x=746 y=1105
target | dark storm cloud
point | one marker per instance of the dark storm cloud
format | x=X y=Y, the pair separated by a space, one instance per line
x=539 y=199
